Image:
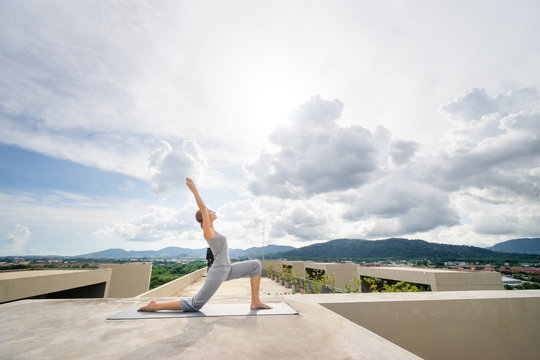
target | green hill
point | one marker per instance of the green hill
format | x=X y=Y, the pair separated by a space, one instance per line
x=396 y=249
x=523 y=246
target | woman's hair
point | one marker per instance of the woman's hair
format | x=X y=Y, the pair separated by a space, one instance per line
x=198 y=217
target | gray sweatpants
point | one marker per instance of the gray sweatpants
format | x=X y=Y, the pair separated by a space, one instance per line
x=215 y=277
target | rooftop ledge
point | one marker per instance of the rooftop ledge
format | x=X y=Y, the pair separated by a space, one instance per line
x=493 y=324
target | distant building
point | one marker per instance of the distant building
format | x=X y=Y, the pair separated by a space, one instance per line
x=455 y=263
x=507 y=280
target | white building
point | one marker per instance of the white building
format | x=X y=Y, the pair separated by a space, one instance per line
x=510 y=281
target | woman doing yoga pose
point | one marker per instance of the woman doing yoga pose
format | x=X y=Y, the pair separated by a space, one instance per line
x=221 y=270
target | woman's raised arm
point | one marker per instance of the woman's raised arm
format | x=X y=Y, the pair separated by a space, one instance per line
x=209 y=232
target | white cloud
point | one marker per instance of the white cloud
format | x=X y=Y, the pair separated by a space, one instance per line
x=497 y=211
x=491 y=160
x=475 y=103
x=339 y=181
x=495 y=150
x=64 y=222
x=16 y=240
x=285 y=221
x=522 y=121
x=399 y=204
x=489 y=148
x=304 y=222
x=402 y=151
x=170 y=168
x=91 y=83
x=159 y=224
x=314 y=154
x=471 y=105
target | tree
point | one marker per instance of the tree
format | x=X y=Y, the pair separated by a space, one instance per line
x=163 y=273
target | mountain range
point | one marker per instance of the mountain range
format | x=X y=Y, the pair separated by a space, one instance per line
x=179 y=252
x=523 y=246
x=394 y=248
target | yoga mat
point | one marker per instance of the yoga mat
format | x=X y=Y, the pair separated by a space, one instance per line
x=131 y=313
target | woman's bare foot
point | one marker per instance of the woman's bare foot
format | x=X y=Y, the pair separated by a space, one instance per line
x=151 y=306
x=259 y=305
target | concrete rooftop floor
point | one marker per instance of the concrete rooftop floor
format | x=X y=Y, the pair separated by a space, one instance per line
x=78 y=329
x=238 y=287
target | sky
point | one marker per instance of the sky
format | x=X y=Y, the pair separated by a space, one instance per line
x=300 y=122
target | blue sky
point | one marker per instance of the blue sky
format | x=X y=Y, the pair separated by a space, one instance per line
x=24 y=170
x=317 y=120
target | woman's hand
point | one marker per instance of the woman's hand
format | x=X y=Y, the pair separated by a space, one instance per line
x=191 y=185
x=208 y=230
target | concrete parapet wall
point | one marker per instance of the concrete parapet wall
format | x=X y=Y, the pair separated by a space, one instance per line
x=343 y=273
x=128 y=280
x=452 y=325
x=174 y=286
x=418 y=276
x=468 y=280
x=18 y=285
x=298 y=268
x=276 y=265
x=438 y=279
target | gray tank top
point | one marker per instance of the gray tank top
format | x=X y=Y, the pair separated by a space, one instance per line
x=220 y=249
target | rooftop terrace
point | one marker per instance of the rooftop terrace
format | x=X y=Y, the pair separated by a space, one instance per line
x=432 y=325
x=78 y=329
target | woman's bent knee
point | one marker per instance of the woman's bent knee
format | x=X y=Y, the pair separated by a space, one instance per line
x=257 y=270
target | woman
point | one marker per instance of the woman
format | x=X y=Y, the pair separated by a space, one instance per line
x=221 y=270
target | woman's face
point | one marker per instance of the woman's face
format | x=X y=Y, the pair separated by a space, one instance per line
x=212 y=215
